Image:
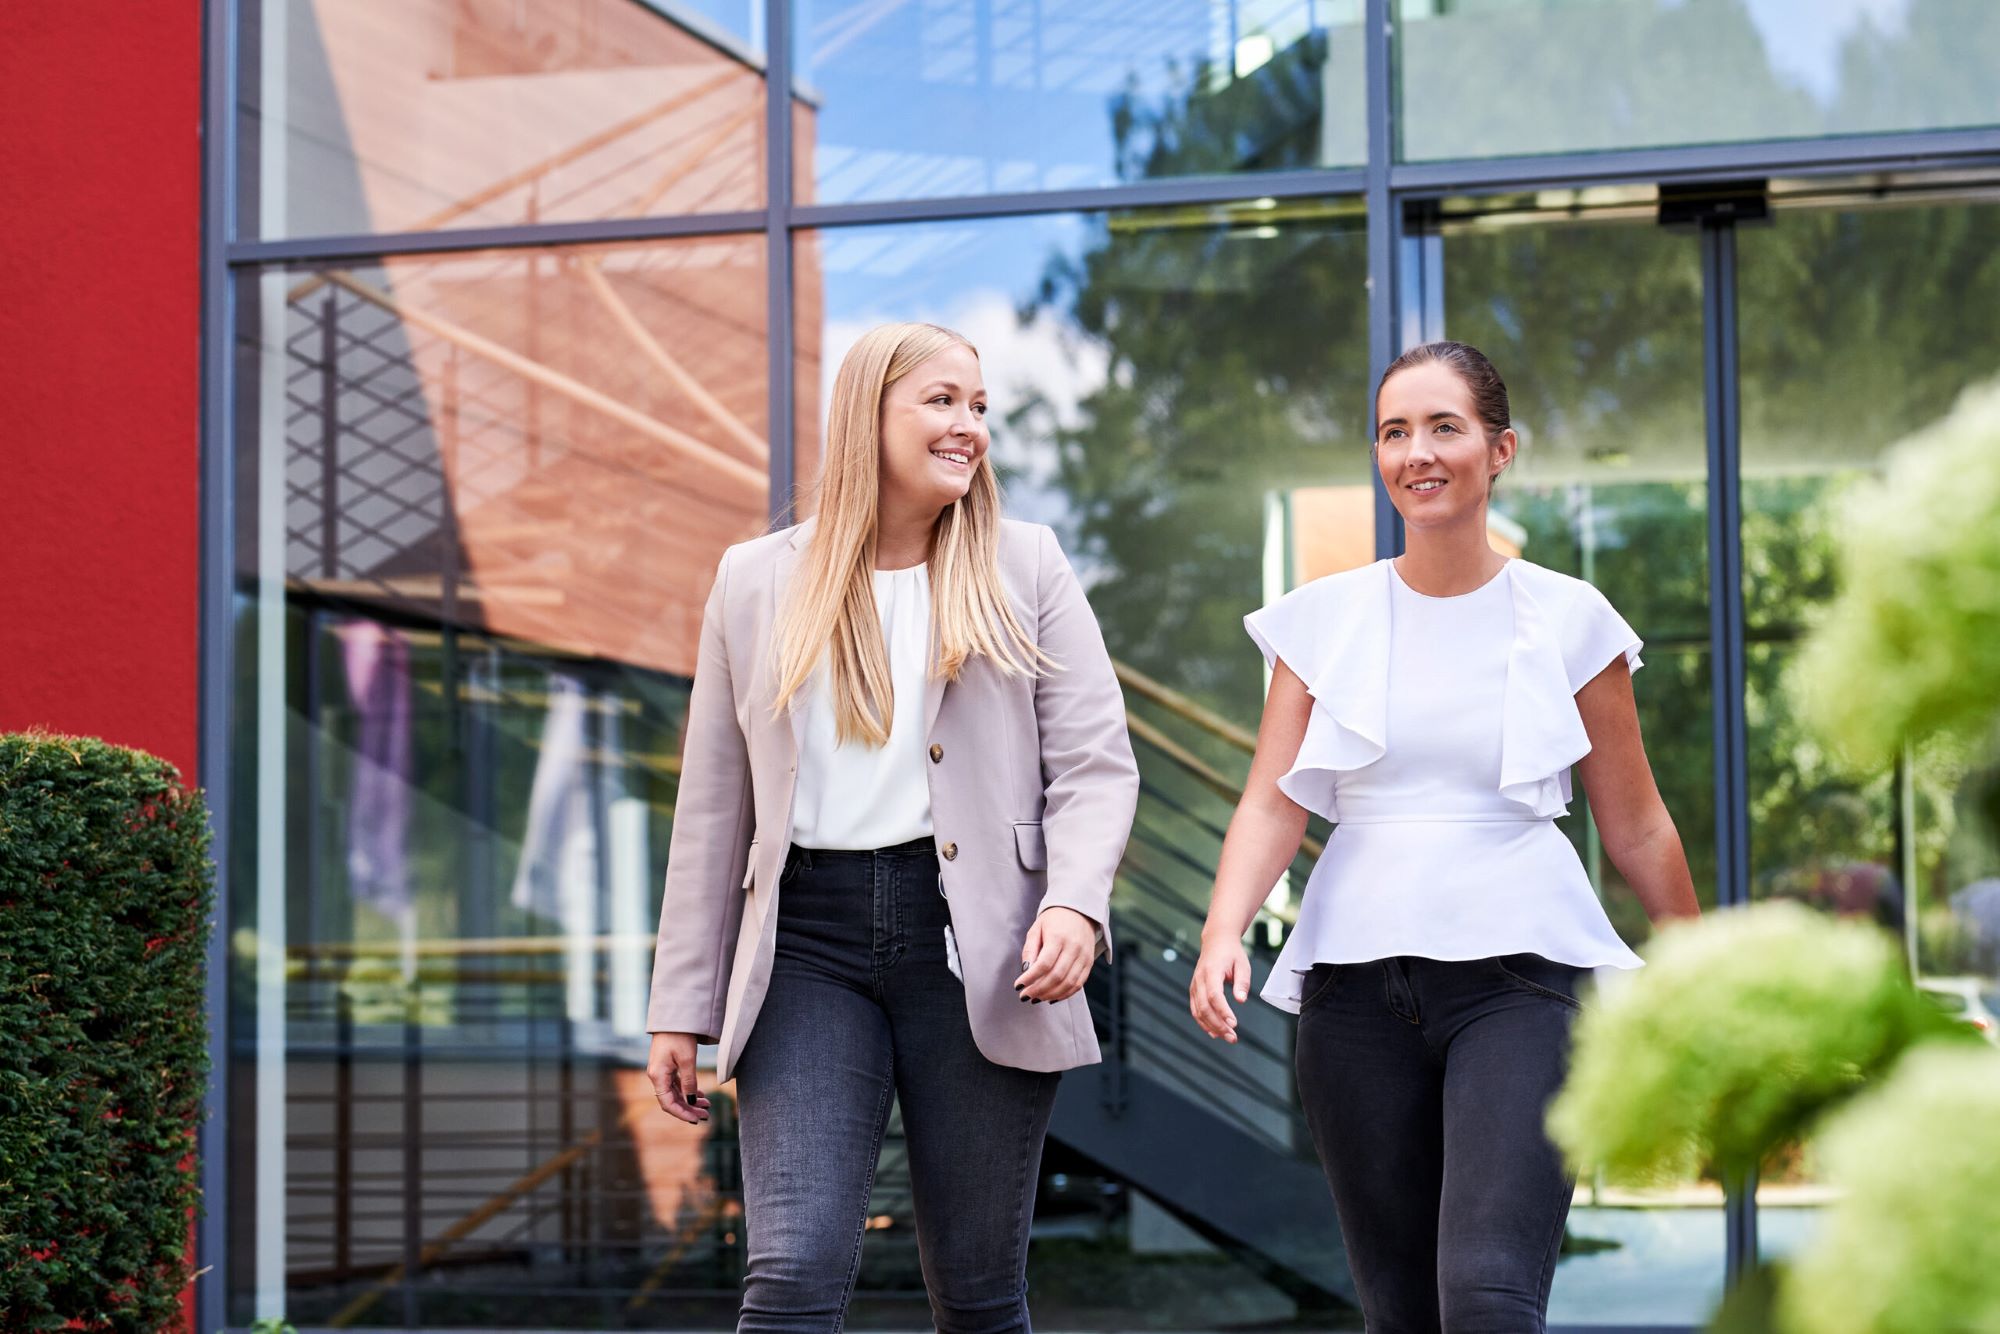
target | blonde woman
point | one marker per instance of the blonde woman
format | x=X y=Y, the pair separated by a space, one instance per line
x=905 y=788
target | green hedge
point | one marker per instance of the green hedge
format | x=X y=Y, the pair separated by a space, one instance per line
x=105 y=894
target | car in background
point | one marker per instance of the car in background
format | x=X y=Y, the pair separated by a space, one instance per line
x=1965 y=999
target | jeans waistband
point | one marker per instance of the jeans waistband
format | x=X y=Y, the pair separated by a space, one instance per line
x=925 y=847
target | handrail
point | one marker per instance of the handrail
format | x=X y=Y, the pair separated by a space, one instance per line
x=1207 y=775
x=454 y=946
x=1148 y=838
x=1174 y=702
x=1176 y=1001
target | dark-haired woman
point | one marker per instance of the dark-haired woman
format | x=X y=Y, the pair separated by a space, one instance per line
x=1432 y=706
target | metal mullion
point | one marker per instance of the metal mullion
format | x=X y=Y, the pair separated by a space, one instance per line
x=1764 y=157
x=215 y=649
x=1725 y=618
x=1410 y=180
x=361 y=246
x=1310 y=182
x=778 y=225
x=1422 y=282
x=1385 y=227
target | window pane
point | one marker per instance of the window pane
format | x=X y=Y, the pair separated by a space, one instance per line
x=415 y=115
x=1493 y=78
x=1181 y=395
x=1833 y=375
x=960 y=97
x=1596 y=328
x=482 y=500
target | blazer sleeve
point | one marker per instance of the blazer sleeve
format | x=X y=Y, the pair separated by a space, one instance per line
x=710 y=846
x=1091 y=781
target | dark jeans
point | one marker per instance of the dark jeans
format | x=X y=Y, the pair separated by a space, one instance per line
x=862 y=1006
x=1425 y=1084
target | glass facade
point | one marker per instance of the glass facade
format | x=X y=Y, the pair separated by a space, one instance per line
x=965 y=97
x=1911 y=323
x=1498 y=78
x=483 y=497
x=1598 y=326
x=420 y=115
x=477 y=497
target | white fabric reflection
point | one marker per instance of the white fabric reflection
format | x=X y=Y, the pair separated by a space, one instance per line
x=556 y=877
x=377 y=663
x=585 y=876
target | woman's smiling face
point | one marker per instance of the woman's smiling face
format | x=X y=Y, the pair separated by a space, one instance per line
x=1434 y=454
x=934 y=435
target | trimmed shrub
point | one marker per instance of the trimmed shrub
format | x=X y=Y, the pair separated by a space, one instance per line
x=1742 y=1030
x=105 y=896
x=1912 y=1243
x=1910 y=648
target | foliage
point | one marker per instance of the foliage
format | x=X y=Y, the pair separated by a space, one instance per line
x=105 y=894
x=1911 y=1244
x=1911 y=646
x=1740 y=1032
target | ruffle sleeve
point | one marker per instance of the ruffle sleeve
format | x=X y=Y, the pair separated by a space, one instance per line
x=1565 y=632
x=1593 y=635
x=1286 y=631
x=1334 y=635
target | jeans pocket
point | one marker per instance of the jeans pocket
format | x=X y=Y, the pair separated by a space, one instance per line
x=1318 y=985
x=1543 y=977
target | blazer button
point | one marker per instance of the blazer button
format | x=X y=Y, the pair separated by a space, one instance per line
x=950 y=851
x=937 y=753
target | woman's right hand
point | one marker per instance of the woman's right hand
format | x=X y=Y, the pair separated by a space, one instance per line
x=1223 y=966
x=670 y=1065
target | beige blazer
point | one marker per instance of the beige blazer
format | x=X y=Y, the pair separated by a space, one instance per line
x=1032 y=785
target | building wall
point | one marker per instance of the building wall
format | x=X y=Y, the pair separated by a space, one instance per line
x=99 y=334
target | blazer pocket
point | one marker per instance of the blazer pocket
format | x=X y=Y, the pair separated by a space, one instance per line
x=1030 y=846
x=750 y=867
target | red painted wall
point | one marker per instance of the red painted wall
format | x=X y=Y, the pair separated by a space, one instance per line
x=100 y=188
x=100 y=232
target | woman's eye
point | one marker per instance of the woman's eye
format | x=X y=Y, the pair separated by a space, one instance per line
x=944 y=399
x=979 y=408
x=1446 y=428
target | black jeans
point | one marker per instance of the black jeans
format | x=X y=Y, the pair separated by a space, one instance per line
x=862 y=1006
x=1425 y=1084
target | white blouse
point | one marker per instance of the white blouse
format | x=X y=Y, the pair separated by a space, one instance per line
x=856 y=796
x=1440 y=743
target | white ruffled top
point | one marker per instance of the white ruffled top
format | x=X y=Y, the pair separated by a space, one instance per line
x=1440 y=743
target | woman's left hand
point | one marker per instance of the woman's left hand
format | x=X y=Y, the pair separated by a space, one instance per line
x=1056 y=956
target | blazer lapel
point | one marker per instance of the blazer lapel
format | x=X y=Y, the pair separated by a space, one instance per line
x=934 y=685
x=793 y=736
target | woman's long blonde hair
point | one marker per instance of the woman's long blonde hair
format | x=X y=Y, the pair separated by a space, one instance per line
x=830 y=611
